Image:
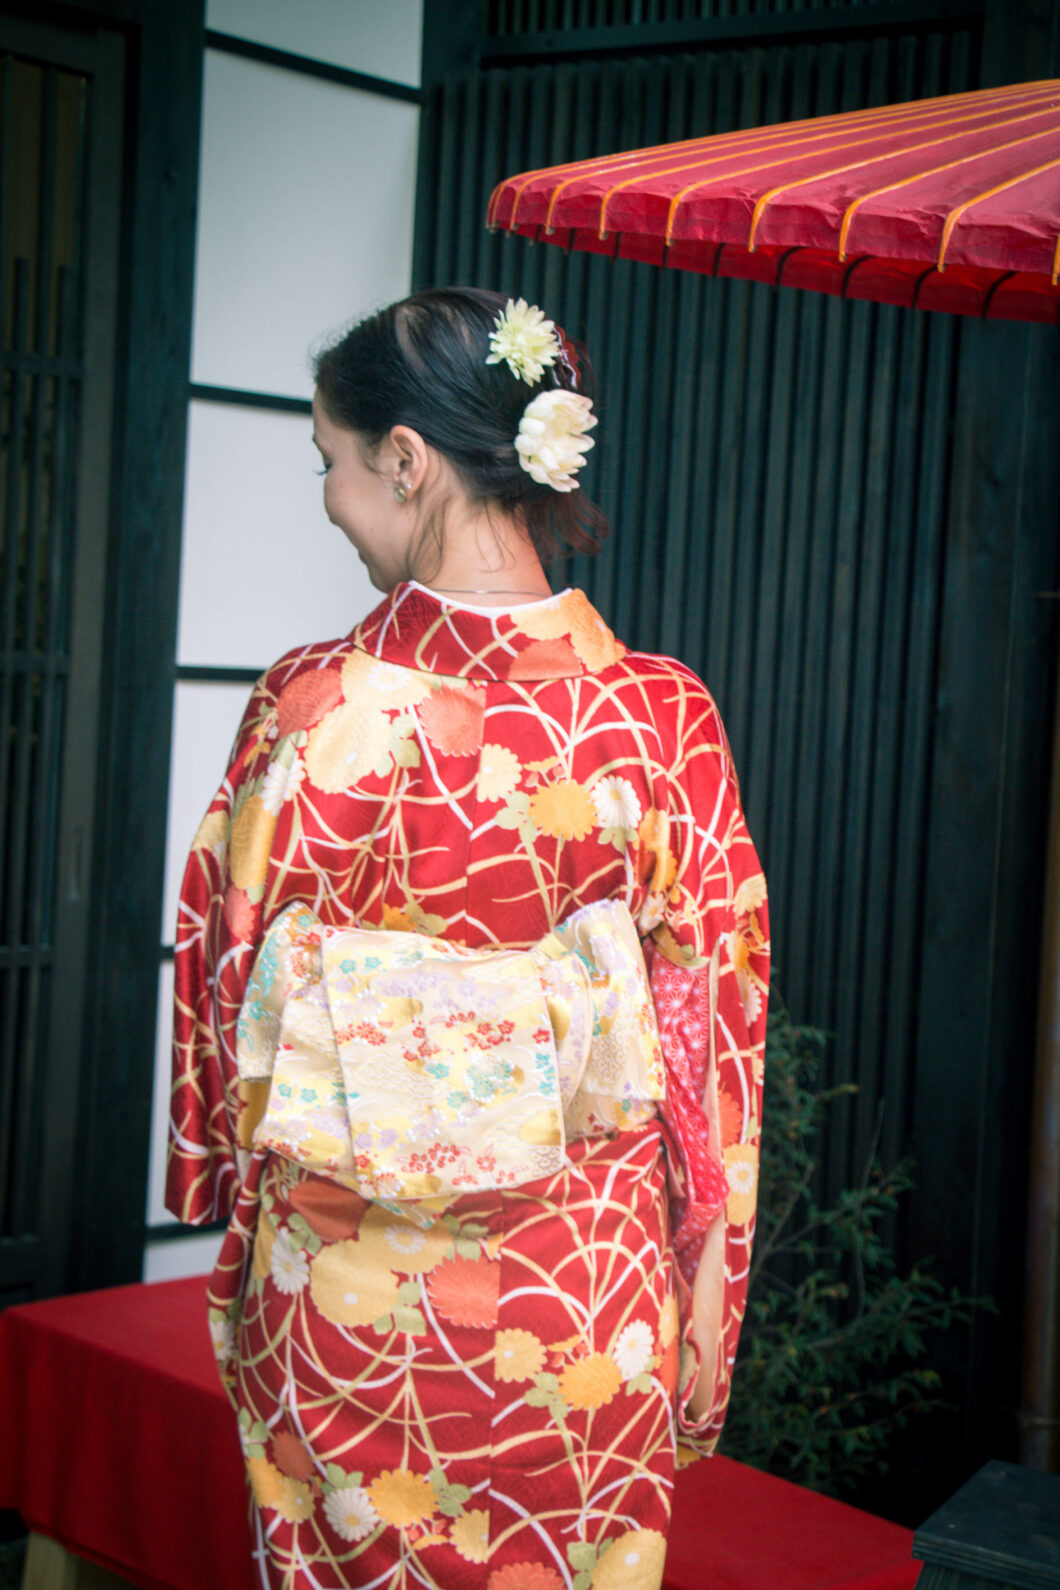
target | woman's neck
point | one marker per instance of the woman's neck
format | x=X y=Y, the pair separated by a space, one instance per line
x=489 y=560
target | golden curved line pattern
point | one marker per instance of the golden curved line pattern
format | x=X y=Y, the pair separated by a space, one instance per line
x=960 y=209
x=932 y=171
x=823 y=126
x=837 y=171
x=1056 y=261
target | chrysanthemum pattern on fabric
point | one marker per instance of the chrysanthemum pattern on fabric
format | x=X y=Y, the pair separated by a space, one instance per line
x=441 y=1442
x=477 y=777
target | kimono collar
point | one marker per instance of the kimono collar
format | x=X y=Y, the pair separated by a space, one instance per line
x=560 y=637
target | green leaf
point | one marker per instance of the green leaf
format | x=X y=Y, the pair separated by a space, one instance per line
x=537 y=1397
x=583 y=1580
x=336 y=1475
x=406 y=752
x=582 y=1554
x=515 y=813
x=410 y=1292
x=409 y=1320
x=468 y=1250
x=451 y=1500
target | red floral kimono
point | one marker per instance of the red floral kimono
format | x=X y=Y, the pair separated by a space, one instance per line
x=486 y=1398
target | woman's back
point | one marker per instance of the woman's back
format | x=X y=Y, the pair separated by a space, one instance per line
x=476 y=1387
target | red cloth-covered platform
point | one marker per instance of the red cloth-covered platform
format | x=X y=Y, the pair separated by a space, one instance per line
x=119 y=1443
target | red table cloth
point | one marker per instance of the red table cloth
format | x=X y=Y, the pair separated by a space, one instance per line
x=119 y=1443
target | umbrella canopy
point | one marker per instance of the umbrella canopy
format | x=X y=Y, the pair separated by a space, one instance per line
x=949 y=203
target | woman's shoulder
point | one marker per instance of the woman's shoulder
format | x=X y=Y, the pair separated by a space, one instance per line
x=300 y=661
x=683 y=711
x=658 y=668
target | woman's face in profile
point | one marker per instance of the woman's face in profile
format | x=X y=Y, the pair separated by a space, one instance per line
x=359 y=499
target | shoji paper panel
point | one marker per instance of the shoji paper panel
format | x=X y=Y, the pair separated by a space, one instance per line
x=157 y=1214
x=305 y=218
x=190 y=1255
x=205 y=719
x=262 y=568
x=382 y=40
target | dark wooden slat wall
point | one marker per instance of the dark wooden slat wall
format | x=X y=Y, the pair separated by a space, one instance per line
x=789 y=575
x=798 y=505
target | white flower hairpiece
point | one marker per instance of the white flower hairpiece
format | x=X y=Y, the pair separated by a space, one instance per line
x=525 y=339
x=552 y=442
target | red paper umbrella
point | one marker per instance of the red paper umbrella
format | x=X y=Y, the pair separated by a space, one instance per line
x=950 y=203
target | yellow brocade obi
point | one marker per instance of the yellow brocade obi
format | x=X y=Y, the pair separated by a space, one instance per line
x=409 y=1068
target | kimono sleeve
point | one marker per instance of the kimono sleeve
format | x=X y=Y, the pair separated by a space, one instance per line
x=218 y=925
x=709 y=965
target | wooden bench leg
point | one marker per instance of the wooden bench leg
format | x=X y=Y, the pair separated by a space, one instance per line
x=50 y=1566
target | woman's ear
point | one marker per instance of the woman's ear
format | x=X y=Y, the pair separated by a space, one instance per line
x=410 y=457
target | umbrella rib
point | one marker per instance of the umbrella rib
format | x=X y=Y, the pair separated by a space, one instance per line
x=791 y=131
x=781 y=262
x=851 y=268
x=879 y=117
x=958 y=210
x=988 y=296
x=934 y=171
x=857 y=165
x=817 y=176
x=774 y=145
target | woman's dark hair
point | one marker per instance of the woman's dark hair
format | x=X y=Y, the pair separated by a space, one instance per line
x=422 y=363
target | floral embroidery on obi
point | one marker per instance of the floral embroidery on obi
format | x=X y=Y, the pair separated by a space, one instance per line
x=414 y=1070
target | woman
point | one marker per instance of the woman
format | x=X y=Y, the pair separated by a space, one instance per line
x=491 y=1198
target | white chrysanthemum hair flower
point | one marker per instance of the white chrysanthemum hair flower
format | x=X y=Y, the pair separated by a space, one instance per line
x=552 y=442
x=525 y=339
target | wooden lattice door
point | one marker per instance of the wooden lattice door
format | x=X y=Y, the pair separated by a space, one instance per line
x=60 y=120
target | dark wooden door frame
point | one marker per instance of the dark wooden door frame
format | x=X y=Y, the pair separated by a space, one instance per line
x=103 y=1146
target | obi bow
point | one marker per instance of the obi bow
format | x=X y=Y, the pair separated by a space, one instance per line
x=409 y=1068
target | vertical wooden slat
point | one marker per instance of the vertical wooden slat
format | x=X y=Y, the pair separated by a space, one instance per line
x=34 y=594
x=10 y=693
x=13 y=544
x=6 y=175
x=26 y=721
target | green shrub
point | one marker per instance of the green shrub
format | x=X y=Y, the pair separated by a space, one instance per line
x=827 y=1368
